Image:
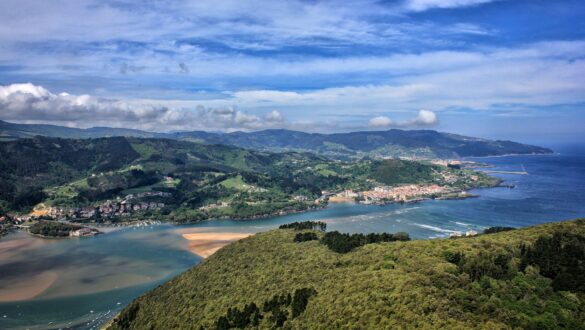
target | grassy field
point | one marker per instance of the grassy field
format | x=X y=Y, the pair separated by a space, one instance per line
x=235 y=182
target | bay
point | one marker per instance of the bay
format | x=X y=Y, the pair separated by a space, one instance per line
x=81 y=283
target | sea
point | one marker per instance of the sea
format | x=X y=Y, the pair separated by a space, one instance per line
x=82 y=283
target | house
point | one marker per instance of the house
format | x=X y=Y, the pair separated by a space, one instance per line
x=81 y=232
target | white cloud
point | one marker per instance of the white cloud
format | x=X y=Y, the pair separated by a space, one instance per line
x=30 y=103
x=423 y=118
x=28 y=88
x=275 y=116
x=426 y=118
x=422 y=5
x=380 y=121
x=137 y=37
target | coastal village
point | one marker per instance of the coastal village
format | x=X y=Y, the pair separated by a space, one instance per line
x=407 y=192
x=125 y=206
x=120 y=207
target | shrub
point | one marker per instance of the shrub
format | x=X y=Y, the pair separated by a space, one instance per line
x=304 y=237
x=497 y=229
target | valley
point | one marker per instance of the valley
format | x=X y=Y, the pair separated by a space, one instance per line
x=121 y=180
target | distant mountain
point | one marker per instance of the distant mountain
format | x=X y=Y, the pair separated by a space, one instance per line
x=10 y=131
x=394 y=142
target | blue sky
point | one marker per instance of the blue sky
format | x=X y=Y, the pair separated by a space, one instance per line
x=497 y=69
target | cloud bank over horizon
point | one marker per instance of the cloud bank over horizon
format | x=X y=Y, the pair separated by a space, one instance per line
x=28 y=103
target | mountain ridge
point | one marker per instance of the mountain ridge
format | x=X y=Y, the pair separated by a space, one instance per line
x=389 y=143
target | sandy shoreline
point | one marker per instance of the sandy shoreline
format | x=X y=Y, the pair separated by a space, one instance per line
x=206 y=244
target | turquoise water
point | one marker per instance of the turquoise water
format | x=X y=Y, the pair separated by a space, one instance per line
x=94 y=277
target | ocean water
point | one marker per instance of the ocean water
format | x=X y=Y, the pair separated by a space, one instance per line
x=91 y=279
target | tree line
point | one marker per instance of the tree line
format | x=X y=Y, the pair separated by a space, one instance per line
x=305 y=225
x=276 y=310
x=344 y=243
x=560 y=257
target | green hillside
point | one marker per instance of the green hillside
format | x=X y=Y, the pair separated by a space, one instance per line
x=530 y=278
x=82 y=172
x=191 y=181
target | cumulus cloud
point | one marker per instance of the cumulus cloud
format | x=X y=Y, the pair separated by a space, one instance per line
x=274 y=117
x=380 y=121
x=423 y=118
x=29 y=103
x=32 y=103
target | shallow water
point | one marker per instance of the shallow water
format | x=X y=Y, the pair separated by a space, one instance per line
x=95 y=277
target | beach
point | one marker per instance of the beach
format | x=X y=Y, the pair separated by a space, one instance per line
x=204 y=244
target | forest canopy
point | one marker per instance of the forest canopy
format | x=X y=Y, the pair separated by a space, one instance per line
x=529 y=278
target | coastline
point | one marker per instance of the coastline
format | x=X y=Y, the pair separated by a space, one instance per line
x=511 y=155
x=211 y=230
x=105 y=228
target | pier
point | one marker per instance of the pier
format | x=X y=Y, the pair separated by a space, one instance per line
x=505 y=172
x=522 y=172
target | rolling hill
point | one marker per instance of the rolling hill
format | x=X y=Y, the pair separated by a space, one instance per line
x=531 y=278
x=79 y=172
x=394 y=142
x=199 y=181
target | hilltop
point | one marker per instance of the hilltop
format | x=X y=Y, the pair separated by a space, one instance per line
x=529 y=278
x=390 y=143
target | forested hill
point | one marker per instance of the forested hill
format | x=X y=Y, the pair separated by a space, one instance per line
x=192 y=181
x=532 y=278
x=394 y=142
x=32 y=170
x=9 y=131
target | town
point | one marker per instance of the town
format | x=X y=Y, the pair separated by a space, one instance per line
x=404 y=193
x=110 y=209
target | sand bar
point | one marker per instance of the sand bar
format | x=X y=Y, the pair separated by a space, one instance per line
x=26 y=288
x=206 y=244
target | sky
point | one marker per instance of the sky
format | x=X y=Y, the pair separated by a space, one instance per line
x=505 y=69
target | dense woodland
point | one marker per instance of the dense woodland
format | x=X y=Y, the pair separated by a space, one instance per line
x=52 y=229
x=529 y=278
x=275 y=311
x=344 y=243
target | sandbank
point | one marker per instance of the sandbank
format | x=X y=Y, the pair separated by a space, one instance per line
x=26 y=288
x=206 y=244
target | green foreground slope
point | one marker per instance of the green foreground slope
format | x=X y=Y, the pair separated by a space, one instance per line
x=529 y=278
